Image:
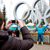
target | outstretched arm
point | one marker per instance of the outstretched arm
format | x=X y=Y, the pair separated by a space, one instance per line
x=36 y=27
x=45 y=26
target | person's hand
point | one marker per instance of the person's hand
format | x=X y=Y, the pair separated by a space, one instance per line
x=47 y=24
x=19 y=23
x=8 y=24
x=34 y=24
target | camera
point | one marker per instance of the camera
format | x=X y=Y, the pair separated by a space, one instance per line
x=14 y=21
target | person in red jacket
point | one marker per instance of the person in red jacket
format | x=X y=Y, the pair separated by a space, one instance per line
x=13 y=33
x=11 y=43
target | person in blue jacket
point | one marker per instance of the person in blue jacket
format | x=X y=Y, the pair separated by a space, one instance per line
x=40 y=33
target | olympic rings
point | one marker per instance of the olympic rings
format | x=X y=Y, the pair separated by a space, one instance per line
x=36 y=14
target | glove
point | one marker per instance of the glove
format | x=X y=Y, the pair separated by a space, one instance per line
x=47 y=24
x=34 y=24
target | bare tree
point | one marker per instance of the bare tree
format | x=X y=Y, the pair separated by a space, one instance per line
x=42 y=6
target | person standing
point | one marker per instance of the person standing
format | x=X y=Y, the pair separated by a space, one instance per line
x=13 y=33
x=40 y=33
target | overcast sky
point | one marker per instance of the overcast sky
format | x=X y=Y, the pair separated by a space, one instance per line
x=10 y=6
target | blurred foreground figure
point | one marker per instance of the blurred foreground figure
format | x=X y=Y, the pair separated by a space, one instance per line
x=10 y=43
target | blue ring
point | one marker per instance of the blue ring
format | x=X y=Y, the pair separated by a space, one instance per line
x=36 y=3
x=17 y=8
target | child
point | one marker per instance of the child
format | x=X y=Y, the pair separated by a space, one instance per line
x=13 y=33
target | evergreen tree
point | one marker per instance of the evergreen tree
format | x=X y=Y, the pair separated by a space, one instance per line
x=4 y=14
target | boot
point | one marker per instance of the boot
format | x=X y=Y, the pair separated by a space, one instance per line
x=37 y=43
x=42 y=43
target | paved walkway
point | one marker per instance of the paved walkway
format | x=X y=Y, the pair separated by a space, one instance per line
x=40 y=47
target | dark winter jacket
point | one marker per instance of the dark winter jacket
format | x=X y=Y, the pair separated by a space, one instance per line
x=10 y=43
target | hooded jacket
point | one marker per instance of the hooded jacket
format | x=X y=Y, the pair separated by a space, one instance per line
x=11 y=43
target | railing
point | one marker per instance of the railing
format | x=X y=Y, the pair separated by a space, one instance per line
x=37 y=33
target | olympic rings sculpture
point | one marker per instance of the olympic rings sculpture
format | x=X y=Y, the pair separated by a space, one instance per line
x=37 y=14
